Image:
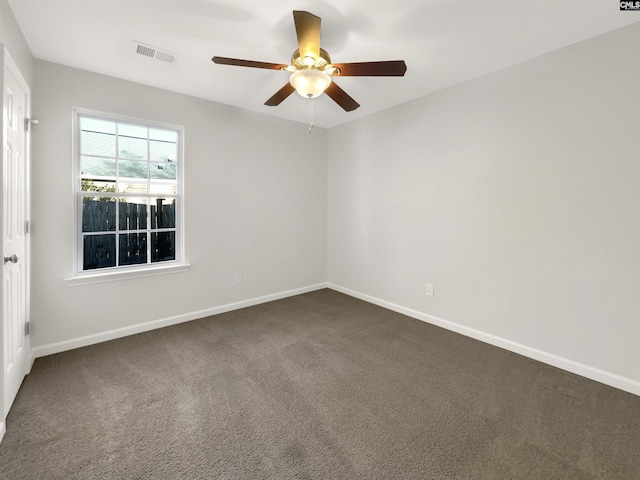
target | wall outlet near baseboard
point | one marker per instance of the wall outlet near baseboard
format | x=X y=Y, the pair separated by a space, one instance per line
x=429 y=290
x=238 y=278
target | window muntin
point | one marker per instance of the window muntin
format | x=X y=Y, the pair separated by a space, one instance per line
x=128 y=192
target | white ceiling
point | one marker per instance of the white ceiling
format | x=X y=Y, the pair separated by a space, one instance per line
x=444 y=42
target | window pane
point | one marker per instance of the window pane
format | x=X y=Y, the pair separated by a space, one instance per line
x=97 y=144
x=162 y=171
x=163 y=188
x=98 y=167
x=132 y=147
x=133 y=214
x=89 y=185
x=133 y=169
x=163 y=135
x=133 y=248
x=132 y=187
x=163 y=246
x=136 y=131
x=99 y=251
x=162 y=151
x=95 y=125
x=163 y=213
x=98 y=214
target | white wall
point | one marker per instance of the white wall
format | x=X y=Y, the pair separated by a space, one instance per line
x=517 y=195
x=255 y=204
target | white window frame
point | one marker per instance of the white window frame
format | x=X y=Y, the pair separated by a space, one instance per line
x=118 y=272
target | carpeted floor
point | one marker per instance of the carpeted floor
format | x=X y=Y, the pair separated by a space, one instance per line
x=318 y=386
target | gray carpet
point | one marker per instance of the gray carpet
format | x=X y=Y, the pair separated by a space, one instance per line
x=318 y=386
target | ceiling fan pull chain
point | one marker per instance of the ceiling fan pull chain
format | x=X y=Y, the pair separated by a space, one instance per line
x=310 y=114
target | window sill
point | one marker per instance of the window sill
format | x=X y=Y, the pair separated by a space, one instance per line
x=88 y=279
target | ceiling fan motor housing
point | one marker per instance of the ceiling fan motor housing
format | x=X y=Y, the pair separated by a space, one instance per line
x=322 y=62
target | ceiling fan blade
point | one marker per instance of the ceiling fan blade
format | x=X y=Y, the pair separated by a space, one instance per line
x=392 y=68
x=308 y=32
x=248 y=63
x=341 y=97
x=280 y=95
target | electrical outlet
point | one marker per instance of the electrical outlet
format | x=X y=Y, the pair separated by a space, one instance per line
x=238 y=278
x=430 y=289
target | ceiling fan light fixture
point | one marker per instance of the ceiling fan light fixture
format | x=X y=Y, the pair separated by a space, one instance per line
x=310 y=83
x=311 y=68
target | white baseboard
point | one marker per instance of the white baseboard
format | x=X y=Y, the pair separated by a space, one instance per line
x=583 y=370
x=3 y=430
x=50 y=349
x=592 y=373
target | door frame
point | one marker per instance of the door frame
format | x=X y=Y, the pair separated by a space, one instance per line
x=11 y=66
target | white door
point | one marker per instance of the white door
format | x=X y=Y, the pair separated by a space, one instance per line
x=14 y=216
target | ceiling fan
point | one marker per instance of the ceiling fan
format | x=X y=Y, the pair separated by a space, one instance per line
x=311 y=68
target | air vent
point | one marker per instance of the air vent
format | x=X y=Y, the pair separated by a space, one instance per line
x=153 y=52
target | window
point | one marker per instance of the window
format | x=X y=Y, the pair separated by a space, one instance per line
x=129 y=193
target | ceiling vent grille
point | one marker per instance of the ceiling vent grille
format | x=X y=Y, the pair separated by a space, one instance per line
x=153 y=52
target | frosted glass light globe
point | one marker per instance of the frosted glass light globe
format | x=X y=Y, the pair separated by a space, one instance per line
x=310 y=83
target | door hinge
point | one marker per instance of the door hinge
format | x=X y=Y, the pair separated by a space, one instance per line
x=27 y=226
x=27 y=328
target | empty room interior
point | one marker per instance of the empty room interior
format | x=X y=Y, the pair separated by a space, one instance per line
x=408 y=249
